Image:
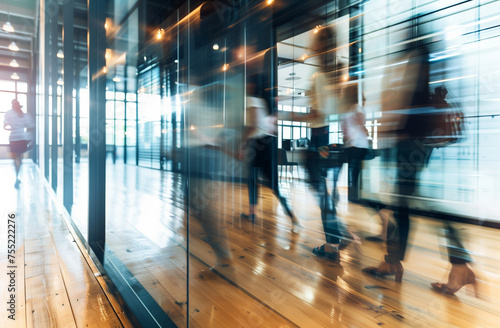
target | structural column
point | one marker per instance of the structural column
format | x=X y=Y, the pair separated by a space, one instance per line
x=54 y=74
x=68 y=44
x=96 y=39
x=46 y=80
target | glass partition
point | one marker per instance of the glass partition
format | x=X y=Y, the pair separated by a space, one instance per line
x=461 y=62
x=214 y=124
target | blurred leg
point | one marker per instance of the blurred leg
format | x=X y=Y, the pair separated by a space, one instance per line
x=206 y=186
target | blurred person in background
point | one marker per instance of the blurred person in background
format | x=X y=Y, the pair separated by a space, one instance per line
x=326 y=100
x=207 y=170
x=17 y=122
x=355 y=138
x=409 y=120
x=256 y=149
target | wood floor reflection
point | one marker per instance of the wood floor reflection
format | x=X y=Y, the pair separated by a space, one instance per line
x=54 y=286
x=278 y=282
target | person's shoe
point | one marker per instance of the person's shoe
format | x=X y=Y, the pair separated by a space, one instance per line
x=296 y=227
x=460 y=275
x=18 y=182
x=386 y=269
x=333 y=254
x=250 y=217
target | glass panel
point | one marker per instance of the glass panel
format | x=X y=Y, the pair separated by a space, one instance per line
x=136 y=113
x=196 y=112
x=7 y=85
x=80 y=166
x=22 y=87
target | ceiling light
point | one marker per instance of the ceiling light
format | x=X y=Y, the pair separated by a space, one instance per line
x=14 y=76
x=7 y=27
x=107 y=23
x=215 y=46
x=14 y=63
x=159 y=34
x=13 y=46
x=117 y=79
x=60 y=54
x=60 y=81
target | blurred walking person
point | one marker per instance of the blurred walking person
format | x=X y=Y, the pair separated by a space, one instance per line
x=326 y=100
x=408 y=126
x=257 y=149
x=17 y=122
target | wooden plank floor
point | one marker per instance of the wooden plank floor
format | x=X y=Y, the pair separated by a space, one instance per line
x=278 y=282
x=54 y=284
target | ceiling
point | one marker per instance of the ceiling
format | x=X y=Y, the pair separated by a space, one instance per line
x=22 y=14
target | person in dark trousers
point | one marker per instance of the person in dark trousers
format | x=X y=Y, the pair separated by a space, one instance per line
x=326 y=100
x=257 y=149
x=415 y=117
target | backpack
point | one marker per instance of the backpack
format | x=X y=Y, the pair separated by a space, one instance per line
x=446 y=123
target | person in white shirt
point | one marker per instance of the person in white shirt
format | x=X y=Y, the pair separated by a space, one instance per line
x=257 y=149
x=355 y=139
x=326 y=100
x=17 y=123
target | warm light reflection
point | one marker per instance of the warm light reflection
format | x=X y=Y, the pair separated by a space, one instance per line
x=107 y=24
x=270 y=2
x=309 y=293
x=104 y=69
x=259 y=268
x=159 y=33
x=225 y=67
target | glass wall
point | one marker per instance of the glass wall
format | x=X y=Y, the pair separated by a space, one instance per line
x=460 y=40
x=182 y=230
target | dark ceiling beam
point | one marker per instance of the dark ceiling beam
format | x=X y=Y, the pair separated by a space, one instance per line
x=16 y=37
x=21 y=50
